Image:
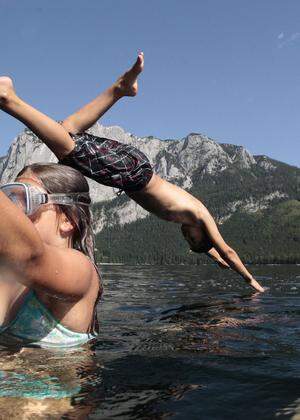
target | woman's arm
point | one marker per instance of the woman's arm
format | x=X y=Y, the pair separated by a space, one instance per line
x=63 y=272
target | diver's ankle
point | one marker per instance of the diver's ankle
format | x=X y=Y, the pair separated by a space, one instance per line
x=8 y=100
x=7 y=93
x=117 y=91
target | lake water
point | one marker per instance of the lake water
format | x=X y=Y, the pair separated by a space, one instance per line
x=176 y=342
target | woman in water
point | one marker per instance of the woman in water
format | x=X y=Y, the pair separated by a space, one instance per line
x=48 y=282
x=122 y=166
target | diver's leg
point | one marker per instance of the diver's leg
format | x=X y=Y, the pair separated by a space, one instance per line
x=53 y=134
x=126 y=85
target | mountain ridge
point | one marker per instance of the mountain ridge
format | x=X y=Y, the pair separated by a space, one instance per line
x=230 y=179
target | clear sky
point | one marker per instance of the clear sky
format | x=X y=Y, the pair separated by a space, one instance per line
x=228 y=69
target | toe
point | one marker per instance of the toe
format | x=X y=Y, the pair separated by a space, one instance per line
x=139 y=64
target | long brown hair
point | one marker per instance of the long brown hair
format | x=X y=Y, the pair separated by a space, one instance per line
x=57 y=178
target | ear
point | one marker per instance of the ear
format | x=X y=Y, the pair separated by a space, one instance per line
x=66 y=227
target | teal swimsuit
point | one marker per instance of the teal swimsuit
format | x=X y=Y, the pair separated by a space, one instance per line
x=34 y=325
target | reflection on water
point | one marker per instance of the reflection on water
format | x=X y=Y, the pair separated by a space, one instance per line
x=176 y=342
x=41 y=382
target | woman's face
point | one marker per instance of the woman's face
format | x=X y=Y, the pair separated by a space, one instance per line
x=51 y=224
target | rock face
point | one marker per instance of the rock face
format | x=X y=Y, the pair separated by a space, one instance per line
x=2 y=162
x=174 y=160
x=27 y=149
x=251 y=204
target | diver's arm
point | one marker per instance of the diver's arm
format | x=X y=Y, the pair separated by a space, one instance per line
x=226 y=252
x=215 y=256
x=63 y=272
x=172 y=203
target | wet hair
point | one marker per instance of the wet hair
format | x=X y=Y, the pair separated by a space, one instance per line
x=57 y=178
x=197 y=238
x=202 y=247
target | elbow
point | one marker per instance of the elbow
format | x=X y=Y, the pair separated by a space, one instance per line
x=229 y=254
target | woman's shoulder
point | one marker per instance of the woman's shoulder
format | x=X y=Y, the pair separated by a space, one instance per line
x=84 y=259
x=78 y=267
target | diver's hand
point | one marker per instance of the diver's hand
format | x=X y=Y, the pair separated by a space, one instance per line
x=216 y=257
x=253 y=283
x=222 y=264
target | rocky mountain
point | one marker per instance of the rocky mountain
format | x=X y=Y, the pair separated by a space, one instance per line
x=231 y=181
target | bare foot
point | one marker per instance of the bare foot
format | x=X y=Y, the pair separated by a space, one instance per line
x=6 y=90
x=127 y=84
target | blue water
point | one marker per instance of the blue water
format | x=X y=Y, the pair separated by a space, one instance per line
x=176 y=342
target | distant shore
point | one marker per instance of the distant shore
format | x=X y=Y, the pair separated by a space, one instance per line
x=191 y=265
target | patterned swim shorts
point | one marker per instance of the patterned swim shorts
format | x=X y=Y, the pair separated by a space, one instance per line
x=109 y=162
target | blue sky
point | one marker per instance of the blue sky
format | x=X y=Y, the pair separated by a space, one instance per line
x=228 y=69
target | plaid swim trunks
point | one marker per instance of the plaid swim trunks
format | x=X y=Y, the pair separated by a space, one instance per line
x=109 y=162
